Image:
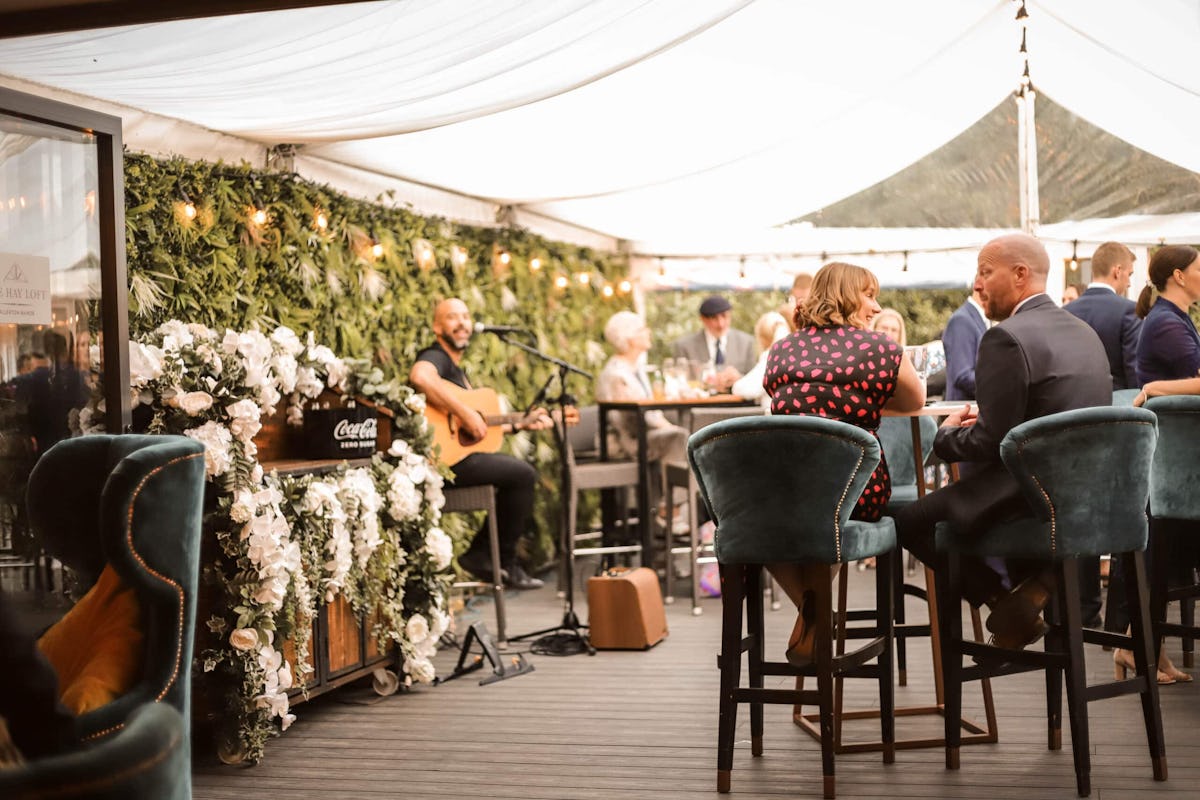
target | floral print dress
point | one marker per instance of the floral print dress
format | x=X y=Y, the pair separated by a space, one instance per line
x=843 y=373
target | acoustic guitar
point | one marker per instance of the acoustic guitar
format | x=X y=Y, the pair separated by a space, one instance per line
x=455 y=440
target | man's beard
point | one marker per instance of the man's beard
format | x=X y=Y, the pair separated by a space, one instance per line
x=449 y=343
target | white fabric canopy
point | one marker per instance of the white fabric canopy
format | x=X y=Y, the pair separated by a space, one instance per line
x=661 y=122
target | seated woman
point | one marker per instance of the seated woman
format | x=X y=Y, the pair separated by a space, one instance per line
x=770 y=328
x=624 y=378
x=866 y=371
x=1168 y=359
x=889 y=322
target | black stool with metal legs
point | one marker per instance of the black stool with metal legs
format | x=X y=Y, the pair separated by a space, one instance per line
x=482 y=498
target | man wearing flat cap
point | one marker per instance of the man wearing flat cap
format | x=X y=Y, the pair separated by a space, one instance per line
x=731 y=352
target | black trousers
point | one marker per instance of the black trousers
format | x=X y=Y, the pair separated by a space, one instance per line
x=514 y=481
x=915 y=526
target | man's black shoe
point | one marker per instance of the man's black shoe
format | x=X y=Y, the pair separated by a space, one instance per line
x=479 y=564
x=517 y=578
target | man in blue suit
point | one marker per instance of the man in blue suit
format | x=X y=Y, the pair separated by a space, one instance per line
x=1109 y=313
x=961 y=343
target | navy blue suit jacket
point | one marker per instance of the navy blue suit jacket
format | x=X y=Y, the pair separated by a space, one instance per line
x=1113 y=320
x=961 y=343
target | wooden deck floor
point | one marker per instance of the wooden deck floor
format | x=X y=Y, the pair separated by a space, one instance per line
x=643 y=725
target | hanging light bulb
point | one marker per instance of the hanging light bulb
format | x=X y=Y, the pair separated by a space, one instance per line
x=458 y=256
x=1075 y=255
x=322 y=221
x=742 y=269
x=584 y=278
x=1021 y=12
x=376 y=248
x=258 y=216
x=904 y=268
x=607 y=290
x=625 y=287
x=505 y=257
x=189 y=208
x=561 y=282
x=662 y=270
x=535 y=264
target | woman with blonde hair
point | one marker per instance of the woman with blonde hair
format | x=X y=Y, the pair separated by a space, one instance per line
x=889 y=322
x=770 y=328
x=865 y=370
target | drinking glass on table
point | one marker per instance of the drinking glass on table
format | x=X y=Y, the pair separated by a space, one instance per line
x=919 y=356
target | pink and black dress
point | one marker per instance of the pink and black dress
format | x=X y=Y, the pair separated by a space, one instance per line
x=843 y=373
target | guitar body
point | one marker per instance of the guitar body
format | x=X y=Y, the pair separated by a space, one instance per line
x=453 y=440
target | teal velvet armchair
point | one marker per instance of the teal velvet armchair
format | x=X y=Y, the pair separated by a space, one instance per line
x=146 y=760
x=133 y=502
x=781 y=489
x=1085 y=475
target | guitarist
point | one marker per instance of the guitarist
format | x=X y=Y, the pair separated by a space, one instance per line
x=514 y=479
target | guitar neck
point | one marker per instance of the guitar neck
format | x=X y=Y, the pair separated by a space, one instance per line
x=502 y=419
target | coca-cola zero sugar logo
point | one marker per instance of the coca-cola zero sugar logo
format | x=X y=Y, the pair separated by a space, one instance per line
x=355 y=432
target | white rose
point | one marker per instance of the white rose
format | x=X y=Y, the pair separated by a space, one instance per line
x=417 y=628
x=145 y=363
x=398 y=449
x=216 y=439
x=415 y=403
x=244 y=639
x=419 y=669
x=193 y=403
x=287 y=340
x=440 y=548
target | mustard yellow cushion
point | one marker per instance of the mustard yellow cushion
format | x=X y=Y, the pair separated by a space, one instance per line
x=96 y=649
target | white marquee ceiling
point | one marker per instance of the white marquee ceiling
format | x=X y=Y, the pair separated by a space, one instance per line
x=662 y=122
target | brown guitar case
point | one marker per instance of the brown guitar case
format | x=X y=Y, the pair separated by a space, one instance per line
x=625 y=610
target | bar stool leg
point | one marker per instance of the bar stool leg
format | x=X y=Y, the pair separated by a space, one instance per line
x=755 y=630
x=886 y=567
x=823 y=609
x=950 y=622
x=1067 y=573
x=733 y=589
x=1133 y=565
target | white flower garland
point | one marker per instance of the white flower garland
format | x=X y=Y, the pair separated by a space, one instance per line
x=290 y=543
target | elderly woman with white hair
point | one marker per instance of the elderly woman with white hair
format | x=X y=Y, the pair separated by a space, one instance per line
x=624 y=378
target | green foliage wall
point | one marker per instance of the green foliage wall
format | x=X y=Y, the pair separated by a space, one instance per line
x=222 y=269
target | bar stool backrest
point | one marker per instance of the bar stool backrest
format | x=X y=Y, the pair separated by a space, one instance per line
x=895 y=436
x=1086 y=472
x=781 y=488
x=1175 y=476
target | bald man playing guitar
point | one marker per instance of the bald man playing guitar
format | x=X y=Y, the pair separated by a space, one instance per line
x=469 y=435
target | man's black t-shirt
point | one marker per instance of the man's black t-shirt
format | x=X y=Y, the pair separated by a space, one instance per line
x=446 y=368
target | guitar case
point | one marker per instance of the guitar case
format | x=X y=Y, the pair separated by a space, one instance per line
x=625 y=609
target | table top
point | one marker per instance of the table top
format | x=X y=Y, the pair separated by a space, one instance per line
x=693 y=402
x=939 y=408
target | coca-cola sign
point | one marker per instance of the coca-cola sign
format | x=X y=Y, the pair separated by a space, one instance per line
x=353 y=434
x=340 y=432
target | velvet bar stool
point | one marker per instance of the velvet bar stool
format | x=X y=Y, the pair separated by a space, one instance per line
x=1078 y=511
x=1174 y=511
x=781 y=489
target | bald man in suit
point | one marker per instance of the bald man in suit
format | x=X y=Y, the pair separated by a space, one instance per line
x=1039 y=360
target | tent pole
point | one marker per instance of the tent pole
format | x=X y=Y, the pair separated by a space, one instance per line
x=1027 y=164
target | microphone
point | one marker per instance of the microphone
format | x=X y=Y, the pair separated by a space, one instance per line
x=483 y=327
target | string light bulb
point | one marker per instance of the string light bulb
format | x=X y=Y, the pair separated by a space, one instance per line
x=535 y=264
x=189 y=208
x=561 y=282
x=1074 y=255
x=904 y=268
x=376 y=248
x=584 y=278
x=662 y=270
x=607 y=290
x=322 y=221
x=505 y=257
x=625 y=287
x=259 y=216
x=458 y=256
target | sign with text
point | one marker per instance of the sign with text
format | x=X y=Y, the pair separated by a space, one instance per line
x=24 y=289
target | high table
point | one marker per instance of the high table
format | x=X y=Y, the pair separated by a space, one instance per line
x=640 y=407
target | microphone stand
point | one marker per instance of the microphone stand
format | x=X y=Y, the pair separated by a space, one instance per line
x=568 y=637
